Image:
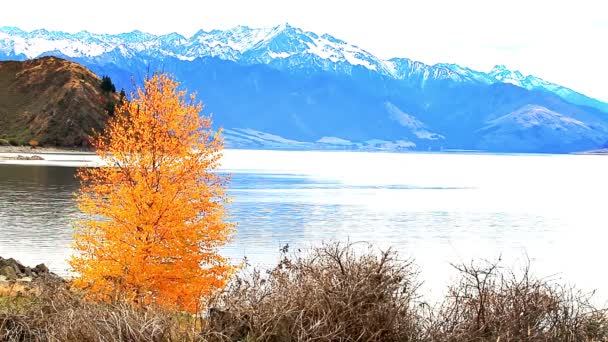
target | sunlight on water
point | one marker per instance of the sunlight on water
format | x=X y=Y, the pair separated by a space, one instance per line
x=437 y=208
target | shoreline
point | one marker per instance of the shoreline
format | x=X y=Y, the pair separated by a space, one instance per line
x=47 y=156
x=45 y=150
x=64 y=149
x=600 y=152
x=4 y=150
x=233 y=159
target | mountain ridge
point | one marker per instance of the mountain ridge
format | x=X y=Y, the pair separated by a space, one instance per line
x=248 y=41
x=298 y=89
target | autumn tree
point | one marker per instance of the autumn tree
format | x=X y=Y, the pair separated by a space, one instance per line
x=155 y=209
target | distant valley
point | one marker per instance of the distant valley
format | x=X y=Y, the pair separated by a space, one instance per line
x=284 y=88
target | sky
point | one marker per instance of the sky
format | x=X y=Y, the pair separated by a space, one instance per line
x=561 y=41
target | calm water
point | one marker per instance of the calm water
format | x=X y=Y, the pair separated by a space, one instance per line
x=436 y=208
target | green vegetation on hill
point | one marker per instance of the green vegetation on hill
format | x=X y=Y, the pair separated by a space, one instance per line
x=52 y=101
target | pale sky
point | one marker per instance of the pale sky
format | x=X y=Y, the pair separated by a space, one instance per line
x=565 y=42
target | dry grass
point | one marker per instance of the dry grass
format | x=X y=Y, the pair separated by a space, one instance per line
x=333 y=293
x=59 y=314
x=17 y=289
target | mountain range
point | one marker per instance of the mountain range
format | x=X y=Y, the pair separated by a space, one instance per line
x=283 y=87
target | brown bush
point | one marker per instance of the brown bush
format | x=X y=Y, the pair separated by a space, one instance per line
x=332 y=294
x=493 y=304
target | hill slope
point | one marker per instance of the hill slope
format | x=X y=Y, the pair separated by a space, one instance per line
x=52 y=100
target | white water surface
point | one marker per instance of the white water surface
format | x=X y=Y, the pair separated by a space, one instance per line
x=437 y=208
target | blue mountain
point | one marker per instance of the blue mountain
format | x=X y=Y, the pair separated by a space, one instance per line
x=283 y=87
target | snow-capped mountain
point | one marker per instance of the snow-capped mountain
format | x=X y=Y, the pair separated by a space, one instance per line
x=501 y=74
x=282 y=46
x=283 y=86
x=243 y=44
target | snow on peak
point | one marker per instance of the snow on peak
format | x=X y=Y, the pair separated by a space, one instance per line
x=240 y=38
x=11 y=30
x=499 y=68
x=279 y=54
x=241 y=43
x=173 y=37
x=284 y=44
x=334 y=140
x=336 y=50
x=36 y=46
x=502 y=74
x=283 y=41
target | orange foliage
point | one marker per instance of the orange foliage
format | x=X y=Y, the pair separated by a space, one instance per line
x=156 y=210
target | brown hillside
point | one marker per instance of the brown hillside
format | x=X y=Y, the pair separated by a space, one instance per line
x=51 y=100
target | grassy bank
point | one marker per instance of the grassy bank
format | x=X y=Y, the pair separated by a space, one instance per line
x=327 y=294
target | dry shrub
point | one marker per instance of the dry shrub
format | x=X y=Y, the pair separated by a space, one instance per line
x=59 y=314
x=332 y=294
x=493 y=304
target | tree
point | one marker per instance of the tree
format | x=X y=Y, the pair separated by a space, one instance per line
x=107 y=85
x=123 y=96
x=156 y=210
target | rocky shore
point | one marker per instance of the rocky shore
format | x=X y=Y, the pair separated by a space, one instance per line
x=20 y=157
x=50 y=156
x=12 y=271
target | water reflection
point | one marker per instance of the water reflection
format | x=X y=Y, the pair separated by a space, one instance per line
x=435 y=208
x=36 y=211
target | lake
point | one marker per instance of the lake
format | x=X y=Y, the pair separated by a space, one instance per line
x=437 y=208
